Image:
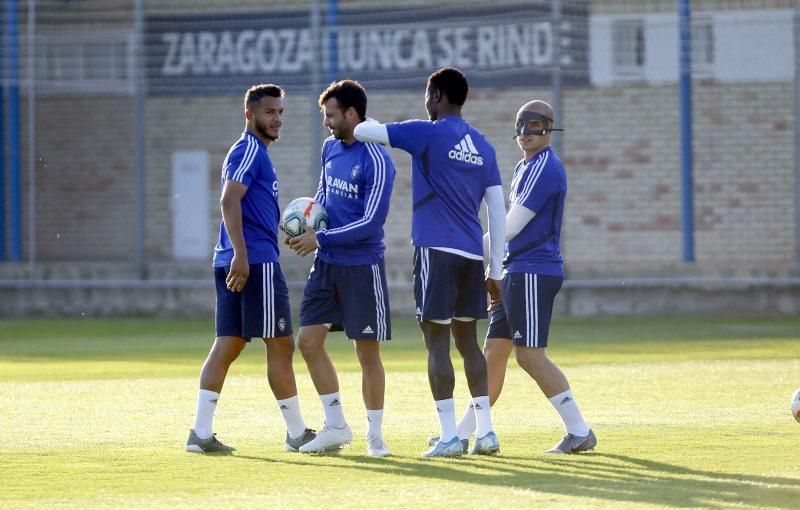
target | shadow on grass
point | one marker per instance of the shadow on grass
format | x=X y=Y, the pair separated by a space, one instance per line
x=595 y=475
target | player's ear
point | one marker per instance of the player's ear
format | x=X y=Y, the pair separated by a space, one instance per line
x=248 y=114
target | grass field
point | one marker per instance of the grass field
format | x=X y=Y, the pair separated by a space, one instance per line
x=689 y=412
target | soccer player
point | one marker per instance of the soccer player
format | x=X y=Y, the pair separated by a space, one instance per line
x=533 y=273
x=252 y=297
x=454 y=169
x=347 y=285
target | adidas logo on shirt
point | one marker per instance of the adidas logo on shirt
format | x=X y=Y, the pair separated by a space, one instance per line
x=465 y=151
x=517 y=335
x=368 y=331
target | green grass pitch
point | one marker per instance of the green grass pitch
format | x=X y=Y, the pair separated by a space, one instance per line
x=689 y=412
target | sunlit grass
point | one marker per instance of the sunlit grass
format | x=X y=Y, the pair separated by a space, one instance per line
x=689 y=412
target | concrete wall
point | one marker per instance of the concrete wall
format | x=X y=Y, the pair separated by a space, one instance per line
x=195 y=298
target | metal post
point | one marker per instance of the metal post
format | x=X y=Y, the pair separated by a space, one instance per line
x=332 y=42
x=556 y=86
x=12 y=74
x=314 y=90
x=32 y=139
x=687 y=199
x=3 y=148
x=139 y=166
x=797 y=136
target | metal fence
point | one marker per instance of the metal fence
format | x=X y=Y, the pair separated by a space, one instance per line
x=680 y=137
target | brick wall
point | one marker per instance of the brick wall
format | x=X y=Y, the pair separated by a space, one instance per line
x=85 y=191
x=621 y=150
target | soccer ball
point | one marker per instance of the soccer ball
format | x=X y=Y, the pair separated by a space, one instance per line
x=796 y=405
x=302 y=212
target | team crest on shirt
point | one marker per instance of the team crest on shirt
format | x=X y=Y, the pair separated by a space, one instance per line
x=355 y=171
x=282 y=324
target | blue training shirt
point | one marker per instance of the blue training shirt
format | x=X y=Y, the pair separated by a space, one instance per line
x=355 y=186
x=248 y=163
x=539 y=184
x=452 y=165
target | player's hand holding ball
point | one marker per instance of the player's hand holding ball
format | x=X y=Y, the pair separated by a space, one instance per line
x=300 y=221
x=305 y=243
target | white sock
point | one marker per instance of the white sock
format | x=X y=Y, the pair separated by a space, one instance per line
x=467 y=424
x=334 y=415
x=206 y=403
x=565 y=404
x=375 y=420
x=447 y=418
x=483 y=415
x=290 y=409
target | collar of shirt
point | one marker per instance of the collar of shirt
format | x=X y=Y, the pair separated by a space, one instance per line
x=454 y=118
x=533 y=158
x=351 y=146
x=252 y=135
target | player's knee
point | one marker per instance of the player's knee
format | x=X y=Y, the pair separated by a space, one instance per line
x=468 y=347
x=308 y=347
x=439 y=349
x=531 y=358
x=368 y=356
x=491 y=348
x=225 y=351
x=280 y=350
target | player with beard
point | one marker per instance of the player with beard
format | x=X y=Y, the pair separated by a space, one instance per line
x=347 y=285
x=252 y=296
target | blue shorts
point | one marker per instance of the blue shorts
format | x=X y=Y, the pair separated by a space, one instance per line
x=447 y=285
x=524 y=316
x=260 y=310
x=352 y=298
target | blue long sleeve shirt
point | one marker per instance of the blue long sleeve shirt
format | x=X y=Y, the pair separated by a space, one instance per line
x=355 y=187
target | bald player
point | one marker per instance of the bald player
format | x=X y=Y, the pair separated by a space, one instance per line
x=533 y=271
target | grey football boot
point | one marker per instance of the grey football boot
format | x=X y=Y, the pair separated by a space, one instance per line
x=464 y=443
x=486 y=445
x=452 y=448
x=210 y=445
x=294 y=444
x=575 y=444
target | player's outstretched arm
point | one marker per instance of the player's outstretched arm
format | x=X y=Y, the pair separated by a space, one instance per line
x=372 y=131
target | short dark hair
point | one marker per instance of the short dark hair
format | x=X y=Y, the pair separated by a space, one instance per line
x=450 y=82
x=348 y=93
x=256 y=92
